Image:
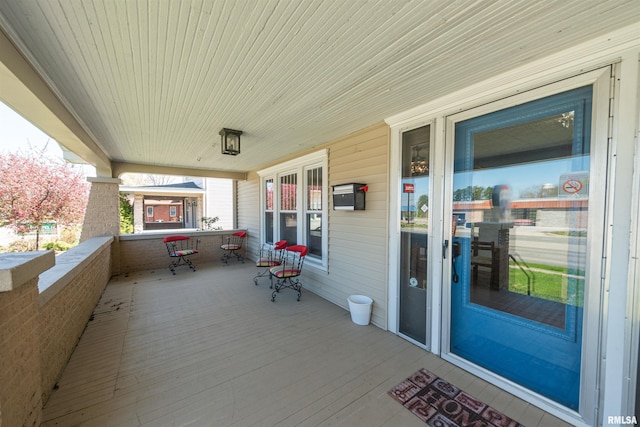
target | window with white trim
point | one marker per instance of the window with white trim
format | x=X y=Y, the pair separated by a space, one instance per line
x=313 y=210
x=293 y=205
x=288 y=208
x=267 y=216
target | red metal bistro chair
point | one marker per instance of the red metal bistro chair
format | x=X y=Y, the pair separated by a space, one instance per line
x=232 y=246
x=270 y=256
x=289 y=270
x=180 y=248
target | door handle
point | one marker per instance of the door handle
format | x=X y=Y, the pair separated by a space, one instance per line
x=445 y=248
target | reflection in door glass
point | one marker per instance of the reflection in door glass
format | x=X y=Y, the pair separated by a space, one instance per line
x=414 y=219
x=522 y=201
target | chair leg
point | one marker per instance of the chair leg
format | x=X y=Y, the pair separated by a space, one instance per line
x=225 y=259
x=190 y=263
x=176 y=264
x=264 y=273
x=233 y=252
x=276 y=288
x=295 y=285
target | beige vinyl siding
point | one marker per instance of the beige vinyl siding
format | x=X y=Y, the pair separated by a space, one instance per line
x=357 y=240
x=248 y=212
x=219 y=201
x=358 y=253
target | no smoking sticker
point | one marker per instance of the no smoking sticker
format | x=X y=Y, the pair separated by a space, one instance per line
x=575 y=184
x=572 y=186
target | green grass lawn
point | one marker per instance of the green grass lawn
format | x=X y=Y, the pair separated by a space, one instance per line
x=552 y=284
x=552 y=268
x=574 y=233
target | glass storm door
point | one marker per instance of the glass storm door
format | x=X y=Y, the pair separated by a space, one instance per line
x=414 y=226
x=520 y=206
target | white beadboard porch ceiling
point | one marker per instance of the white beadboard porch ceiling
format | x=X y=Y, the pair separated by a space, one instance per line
x=154 y=81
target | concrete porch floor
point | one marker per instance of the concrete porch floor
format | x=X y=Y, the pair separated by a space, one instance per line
x=209 y=348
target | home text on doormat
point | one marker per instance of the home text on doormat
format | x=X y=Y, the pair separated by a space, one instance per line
x=438 y=403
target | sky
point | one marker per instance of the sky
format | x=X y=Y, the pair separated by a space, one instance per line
x=16 y=133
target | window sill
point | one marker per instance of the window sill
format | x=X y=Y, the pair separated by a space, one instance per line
x=316 y=264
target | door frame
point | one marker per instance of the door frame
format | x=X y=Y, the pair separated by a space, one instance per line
x=434 y=271
x=601 y=81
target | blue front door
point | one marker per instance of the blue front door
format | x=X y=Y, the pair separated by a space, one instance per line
x=520 y=205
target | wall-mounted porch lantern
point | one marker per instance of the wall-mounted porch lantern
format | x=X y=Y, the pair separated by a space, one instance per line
x=230 y=141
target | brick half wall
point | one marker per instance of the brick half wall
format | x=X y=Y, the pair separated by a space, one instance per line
x=69 y=293
x=147 y=251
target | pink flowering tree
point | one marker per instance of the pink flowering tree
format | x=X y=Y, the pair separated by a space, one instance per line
x=35 y=190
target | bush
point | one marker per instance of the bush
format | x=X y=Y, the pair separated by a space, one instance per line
x=70 y=235
x=58 y=246
x=23 y=245
x=208 y=223
x=126 y=215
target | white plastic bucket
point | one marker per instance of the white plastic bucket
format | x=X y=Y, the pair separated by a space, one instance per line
x=360 y=308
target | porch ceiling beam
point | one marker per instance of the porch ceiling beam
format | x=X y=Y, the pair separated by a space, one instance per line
x=118 y=168
x=22 y=89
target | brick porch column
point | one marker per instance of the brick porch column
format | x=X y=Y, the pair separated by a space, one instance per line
x=138 y=213
x=102 y=217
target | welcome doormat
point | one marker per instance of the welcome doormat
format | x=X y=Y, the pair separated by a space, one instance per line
x=438 y=403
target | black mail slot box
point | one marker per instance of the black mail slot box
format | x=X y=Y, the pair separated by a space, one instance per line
x=349 y=197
